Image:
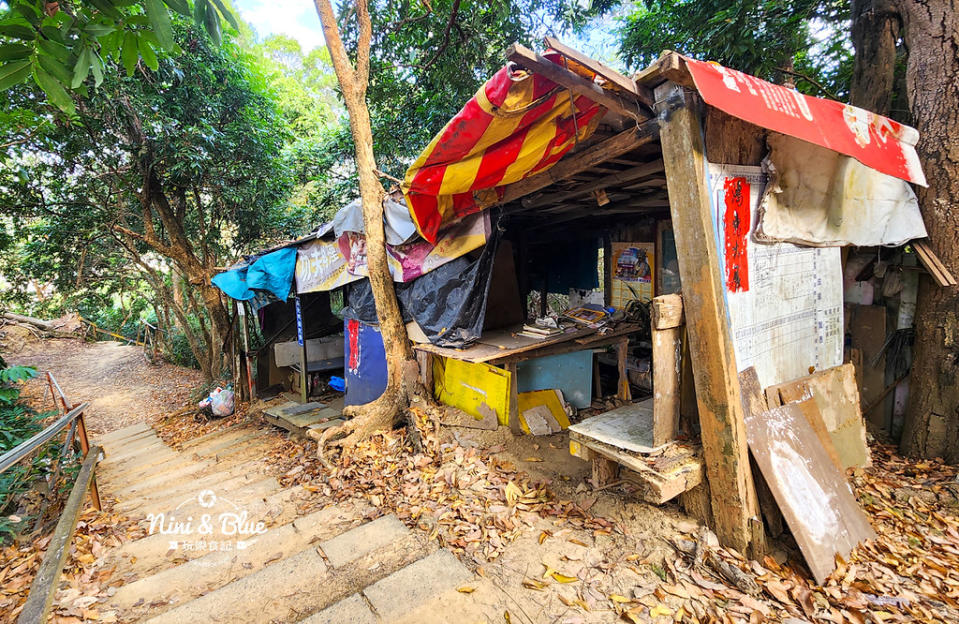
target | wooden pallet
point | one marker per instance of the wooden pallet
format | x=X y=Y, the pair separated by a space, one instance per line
x=660 y=476
x=299 y=418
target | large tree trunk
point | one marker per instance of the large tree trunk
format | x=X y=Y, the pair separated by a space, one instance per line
x=875 y=30
x=931 y=34
x=402 y=371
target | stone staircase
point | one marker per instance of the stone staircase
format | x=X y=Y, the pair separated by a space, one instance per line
x=226 y=543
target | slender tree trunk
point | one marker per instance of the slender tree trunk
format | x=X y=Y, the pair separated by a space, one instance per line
x=931 y=34
x=402 y=371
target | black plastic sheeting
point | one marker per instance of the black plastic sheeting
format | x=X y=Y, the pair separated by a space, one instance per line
x=448 y=303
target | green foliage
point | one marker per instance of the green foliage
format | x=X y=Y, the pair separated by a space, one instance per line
x=60 y=48
x=17 y=424
x=10 y=376
x=760 y=37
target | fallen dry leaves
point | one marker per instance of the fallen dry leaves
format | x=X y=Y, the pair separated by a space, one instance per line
x=84 y=579
x=465 y=498
x=909 y=574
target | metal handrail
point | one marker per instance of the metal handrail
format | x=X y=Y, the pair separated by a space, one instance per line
x=23 y=449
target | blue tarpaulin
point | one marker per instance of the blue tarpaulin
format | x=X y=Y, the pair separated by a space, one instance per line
x=272 y=272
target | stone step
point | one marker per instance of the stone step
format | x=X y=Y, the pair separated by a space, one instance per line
x=194 y=578
x=195 y=506
x=227 y=433
x=126 y=450
x=216 y=433
x=216 y=437
x=120 y=434
x=165 y=463
x=155 y=552
x=420 y=587
x=228 y=479
x=244 y=458
x=290 y=589
x=146 y=467
x=131 y=465
x=117 y=446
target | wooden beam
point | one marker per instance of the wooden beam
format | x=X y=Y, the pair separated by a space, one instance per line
x=614 y=179
x=575 y=163
x=623 y=82
x=523 y=56
x=723 y=430
x=669 y=66
x=45 y=584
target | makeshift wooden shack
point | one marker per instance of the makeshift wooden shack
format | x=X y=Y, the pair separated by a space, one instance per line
x=733 y=191
x=720 y=201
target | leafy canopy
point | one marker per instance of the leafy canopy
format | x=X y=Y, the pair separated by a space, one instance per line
x=767 y=38
x=59 y=45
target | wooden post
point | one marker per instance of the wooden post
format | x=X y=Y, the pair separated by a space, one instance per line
x=304 y=362
x=607 y=270
x=732 y=492
x=514 y=425
x=425 y=362
x=247 y=358
x=622 y=351
x=667 y=338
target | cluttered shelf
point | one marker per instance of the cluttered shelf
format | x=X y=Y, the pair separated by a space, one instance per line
x=518 y=342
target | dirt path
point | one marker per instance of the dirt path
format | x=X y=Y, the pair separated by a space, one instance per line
x=120 y=385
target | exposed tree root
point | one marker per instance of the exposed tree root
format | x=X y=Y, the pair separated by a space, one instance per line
x=389 y=410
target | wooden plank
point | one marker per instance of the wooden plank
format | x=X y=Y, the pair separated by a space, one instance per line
x=622 y=329
x=615 y=179
x=623 y=82
x=514 y=416
x=475 y=353
x=812 y=493
x=754 y=402
x=667 y=311
x=572 y=164
x=669 y=66
x=605 y=471
x=629 y=427
x=45 y=584
x=810 y=412
x=627 y=106
x=836 y=395
x=667 y=368
x=939 y=272
x=868 y=329
x=714 y=364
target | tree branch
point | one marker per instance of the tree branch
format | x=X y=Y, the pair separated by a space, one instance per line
x=345 y=72
x=446 y=36
x=811 y=81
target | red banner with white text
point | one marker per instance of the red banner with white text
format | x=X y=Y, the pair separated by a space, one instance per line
x=875 y=141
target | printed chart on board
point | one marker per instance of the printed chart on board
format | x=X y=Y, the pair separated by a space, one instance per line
x=784 y=301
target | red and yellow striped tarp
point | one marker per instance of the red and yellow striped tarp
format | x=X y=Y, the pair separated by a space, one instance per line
x=518 y=124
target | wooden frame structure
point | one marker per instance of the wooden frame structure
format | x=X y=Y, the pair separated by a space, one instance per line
x=648 y=158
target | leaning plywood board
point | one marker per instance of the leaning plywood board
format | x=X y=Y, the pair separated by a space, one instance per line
x=478 y=389
x=815 y=499
x=542 y=412
x=836 y=394
x=784 y=301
